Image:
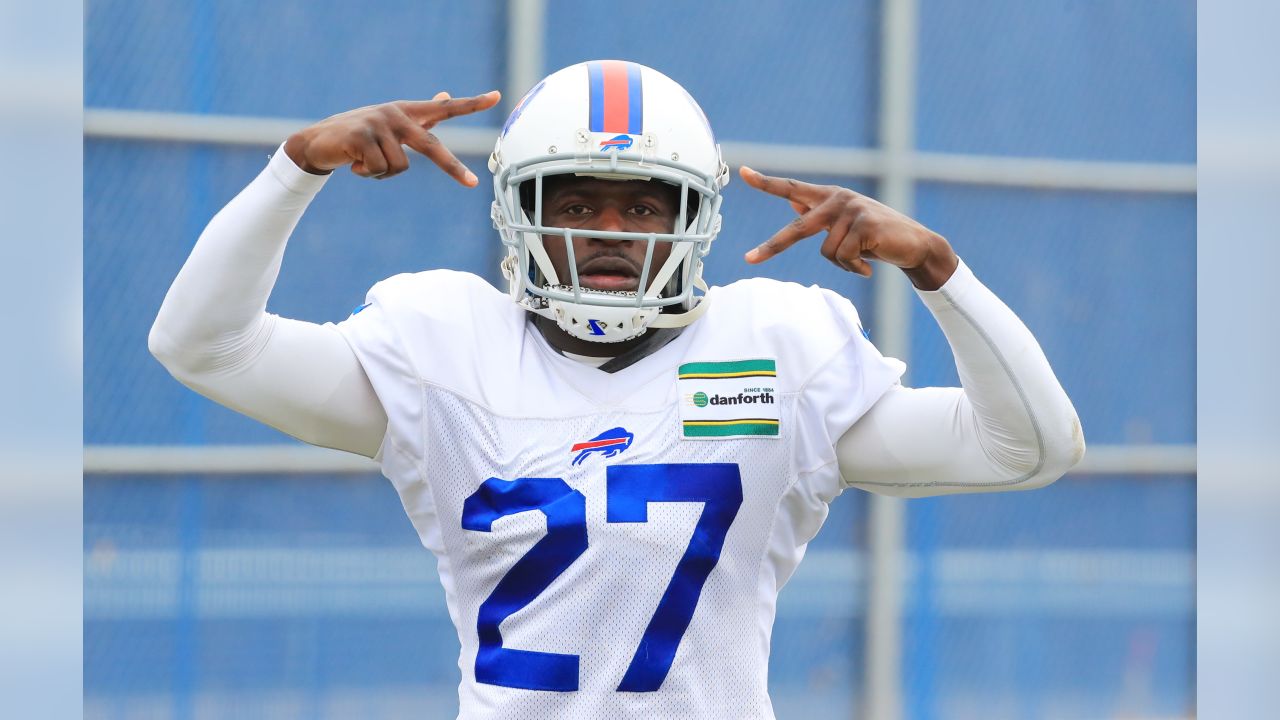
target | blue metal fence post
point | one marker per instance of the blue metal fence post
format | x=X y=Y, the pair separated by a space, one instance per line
x=187 y=644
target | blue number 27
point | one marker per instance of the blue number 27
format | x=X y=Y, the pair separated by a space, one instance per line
x=630 y=489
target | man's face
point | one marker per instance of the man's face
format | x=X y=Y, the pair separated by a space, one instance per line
x=588 y=203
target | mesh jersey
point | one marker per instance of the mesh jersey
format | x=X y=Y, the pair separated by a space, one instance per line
x=603 y=552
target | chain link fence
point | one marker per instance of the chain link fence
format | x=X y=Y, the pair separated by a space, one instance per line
x=307 y=596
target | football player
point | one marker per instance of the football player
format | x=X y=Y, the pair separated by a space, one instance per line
x=617 y=467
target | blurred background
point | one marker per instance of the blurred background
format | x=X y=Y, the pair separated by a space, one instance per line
x=230 y=572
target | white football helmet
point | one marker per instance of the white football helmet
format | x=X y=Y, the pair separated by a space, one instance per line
x=621 y=121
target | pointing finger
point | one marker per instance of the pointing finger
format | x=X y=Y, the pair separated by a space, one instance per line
x=430 y=112
x=789 y=188
x=418 y=138
x=802 y=227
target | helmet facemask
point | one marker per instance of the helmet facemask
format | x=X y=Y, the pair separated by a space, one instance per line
x=685 y=221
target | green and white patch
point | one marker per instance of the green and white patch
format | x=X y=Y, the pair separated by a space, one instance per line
x=732 y=399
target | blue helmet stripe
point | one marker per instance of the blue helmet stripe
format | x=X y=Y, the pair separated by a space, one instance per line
x=635 y=100
x=595 y=78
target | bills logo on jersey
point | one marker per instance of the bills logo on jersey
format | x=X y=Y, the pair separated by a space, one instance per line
x=617 y=143
x=608 y=443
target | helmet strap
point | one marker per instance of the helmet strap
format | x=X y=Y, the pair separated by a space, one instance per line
x=543 y=261
x=672 y=320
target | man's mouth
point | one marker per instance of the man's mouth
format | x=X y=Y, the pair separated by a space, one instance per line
x=609 y=273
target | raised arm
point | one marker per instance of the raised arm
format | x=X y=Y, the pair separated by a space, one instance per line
x=213 y=332
x=1011 y=426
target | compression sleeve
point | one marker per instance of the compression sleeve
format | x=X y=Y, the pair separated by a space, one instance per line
x=214 y=335
x=1010 y=427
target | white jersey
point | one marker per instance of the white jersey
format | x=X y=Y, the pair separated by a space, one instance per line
x=612 y=544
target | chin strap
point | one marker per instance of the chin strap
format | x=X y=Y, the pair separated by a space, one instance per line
x=673 y=320
x=662 y=320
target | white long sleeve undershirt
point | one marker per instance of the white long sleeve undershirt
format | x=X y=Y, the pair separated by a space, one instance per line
x=1011 y=426
x=214 y=335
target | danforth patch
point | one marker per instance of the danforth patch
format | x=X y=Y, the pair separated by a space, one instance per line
x=732 y=399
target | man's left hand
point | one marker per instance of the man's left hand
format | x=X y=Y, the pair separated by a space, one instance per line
x=858 y=229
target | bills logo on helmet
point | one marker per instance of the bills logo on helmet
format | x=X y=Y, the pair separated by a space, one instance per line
x=608 y=443
x=618 y=143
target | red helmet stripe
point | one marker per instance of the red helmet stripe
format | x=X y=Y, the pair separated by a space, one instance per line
x=616 y=97
x=617 y=101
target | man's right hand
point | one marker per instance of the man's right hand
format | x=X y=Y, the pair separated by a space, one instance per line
x=370 y=139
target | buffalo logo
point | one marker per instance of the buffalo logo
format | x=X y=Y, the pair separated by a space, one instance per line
x=608 y=443
x=520 y=106
x=617 y=142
